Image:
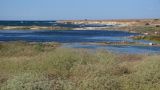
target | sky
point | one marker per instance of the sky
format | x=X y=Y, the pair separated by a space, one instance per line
x=78 y=9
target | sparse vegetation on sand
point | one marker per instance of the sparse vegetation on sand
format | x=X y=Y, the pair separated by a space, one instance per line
x=151 y=33
x=26 y=66
x=154 y=38
x=149 y=30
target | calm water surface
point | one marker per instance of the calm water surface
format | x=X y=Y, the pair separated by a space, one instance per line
x=73 y=39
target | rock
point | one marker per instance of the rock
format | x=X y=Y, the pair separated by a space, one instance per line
x=145 y=33
x=150 y=44
x=156 y=33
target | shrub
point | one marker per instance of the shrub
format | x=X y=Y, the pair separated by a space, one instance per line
x=75 y=69
x=35 y=81
x=39 y=47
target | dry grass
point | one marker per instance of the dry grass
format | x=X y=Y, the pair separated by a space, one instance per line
x=26 y=66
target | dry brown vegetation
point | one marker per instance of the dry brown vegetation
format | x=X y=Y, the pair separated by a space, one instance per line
x=26 y=66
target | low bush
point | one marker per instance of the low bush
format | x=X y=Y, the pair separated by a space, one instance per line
x=75 y=69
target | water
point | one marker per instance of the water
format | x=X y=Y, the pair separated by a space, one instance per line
x=49 y=23
x=123 y=49
x=63 y=36
x=40 y=23
x=27 y=23
x=74 y=39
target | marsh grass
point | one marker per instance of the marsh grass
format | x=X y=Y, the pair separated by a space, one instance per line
x=146 y=29
x=26 y=66
x=155 y=38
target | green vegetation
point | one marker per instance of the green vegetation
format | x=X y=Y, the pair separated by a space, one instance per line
x=149 y=37
x=151 y=33
x=25 y=66
x=146 y=29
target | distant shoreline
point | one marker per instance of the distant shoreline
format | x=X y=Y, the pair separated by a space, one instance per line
x=144 y=26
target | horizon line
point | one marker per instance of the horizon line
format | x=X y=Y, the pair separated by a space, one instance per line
x=76 y=19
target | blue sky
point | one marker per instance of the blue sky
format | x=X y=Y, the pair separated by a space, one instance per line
x=78 y=9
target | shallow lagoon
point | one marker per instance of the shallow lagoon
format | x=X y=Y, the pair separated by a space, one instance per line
x=75 y=38
x=122 y=49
